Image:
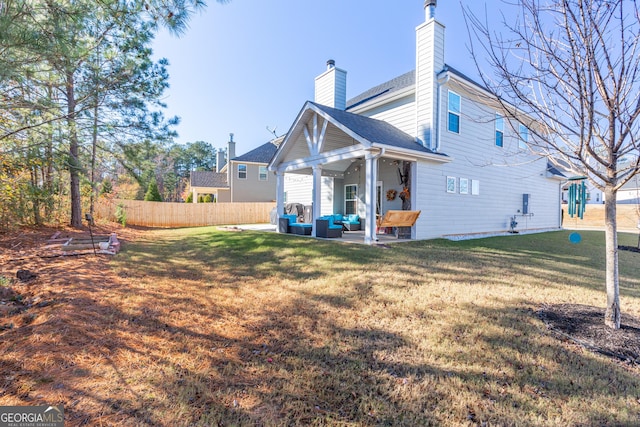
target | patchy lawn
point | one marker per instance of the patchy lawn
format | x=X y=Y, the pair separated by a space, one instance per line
x=207 y=327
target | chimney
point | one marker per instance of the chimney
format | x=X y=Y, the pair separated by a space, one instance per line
x=220 y=160
x=331 y=87
x=231 y=153
x=429 y=62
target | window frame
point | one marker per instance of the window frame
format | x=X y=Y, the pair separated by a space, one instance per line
x=240 y=167
x=262 y=170
x=499 y=131
x=464 y=186
x=455 y=113
x=451 y=184
x=354 y=199
x=523 y=133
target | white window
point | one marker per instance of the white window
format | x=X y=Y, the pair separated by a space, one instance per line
x=242 y=171
x=262 y=173
x=454 y=112
x=451 y=184
x=524 y=137
x=350 y=199
x=499 y=131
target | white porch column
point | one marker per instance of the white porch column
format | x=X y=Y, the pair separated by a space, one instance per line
x=317 y=197
x=195 y=195
x=279 y=198
x=371 y=173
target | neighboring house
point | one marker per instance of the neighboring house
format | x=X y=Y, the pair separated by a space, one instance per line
x=468 y=169
x=594 y=195
x=242 y=179
x=630 y=192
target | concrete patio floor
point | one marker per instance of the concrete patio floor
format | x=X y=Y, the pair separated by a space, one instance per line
x=347 y=236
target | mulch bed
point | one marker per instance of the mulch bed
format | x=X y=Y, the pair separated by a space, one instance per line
x=629 y=248
x=585 y=326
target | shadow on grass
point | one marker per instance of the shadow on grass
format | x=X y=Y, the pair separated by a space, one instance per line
x=516 y=370
x=195 y=333
x=547 y=258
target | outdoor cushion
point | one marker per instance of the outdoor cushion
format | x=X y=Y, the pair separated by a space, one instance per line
x=300 y=228
x=325 y=229
x=292 y=218
x=353 y=218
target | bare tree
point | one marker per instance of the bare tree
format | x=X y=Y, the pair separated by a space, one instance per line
x=570 y=71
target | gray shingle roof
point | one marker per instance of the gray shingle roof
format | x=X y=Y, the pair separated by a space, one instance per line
x=262 y=154
x=399 y=83
x=393 y=85
x=375 y=131
x=209 y=179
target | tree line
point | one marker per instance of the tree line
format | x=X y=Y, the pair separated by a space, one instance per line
x=81 y=106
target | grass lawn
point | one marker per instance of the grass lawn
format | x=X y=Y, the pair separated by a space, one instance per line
x=205 y=327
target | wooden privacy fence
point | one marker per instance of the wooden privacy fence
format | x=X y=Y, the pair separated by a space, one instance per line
x=627 y=216
x=162 y=214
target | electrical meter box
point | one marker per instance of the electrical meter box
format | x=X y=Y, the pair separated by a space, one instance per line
x=526 y=204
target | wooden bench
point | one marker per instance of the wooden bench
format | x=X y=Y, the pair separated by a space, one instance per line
x=398 y=219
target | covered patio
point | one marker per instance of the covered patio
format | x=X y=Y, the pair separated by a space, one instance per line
x=371 y=160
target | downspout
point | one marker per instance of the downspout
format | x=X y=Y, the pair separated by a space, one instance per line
x=439 y=82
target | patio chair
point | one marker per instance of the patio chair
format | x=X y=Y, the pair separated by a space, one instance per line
x=325 y=227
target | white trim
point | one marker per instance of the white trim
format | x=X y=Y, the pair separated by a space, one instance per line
x=266 y=173
x=499 y=117
x=345 y=153
x=350 y=200
x=449 y=112
x=246 y=171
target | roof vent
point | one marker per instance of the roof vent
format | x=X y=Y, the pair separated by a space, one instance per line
x=331 y=64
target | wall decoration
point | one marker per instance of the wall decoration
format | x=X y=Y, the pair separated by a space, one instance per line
x=475 y=187
x=464 y=186
x=391 y=194
x=451 y=184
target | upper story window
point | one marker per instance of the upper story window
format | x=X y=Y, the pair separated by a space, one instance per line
x=262 y=173
x=524 y=137
x=454 y=112
x=242 y=171
x=499 y=131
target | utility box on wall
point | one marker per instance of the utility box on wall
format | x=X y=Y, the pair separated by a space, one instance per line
x=526 y=200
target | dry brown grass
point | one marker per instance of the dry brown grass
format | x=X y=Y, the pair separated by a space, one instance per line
x=206 y=327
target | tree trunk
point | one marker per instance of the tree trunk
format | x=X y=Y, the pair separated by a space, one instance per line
x=74 y=162
x=612 y=313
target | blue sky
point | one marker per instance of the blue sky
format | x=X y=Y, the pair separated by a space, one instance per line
x=247 y=64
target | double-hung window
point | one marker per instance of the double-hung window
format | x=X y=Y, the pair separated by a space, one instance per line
x=350 y=199
x=262 y=173
x=499 y=131
x=454 y=112
x=524 y=137
x=242 y=171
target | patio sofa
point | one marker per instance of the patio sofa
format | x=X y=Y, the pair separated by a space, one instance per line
x=351 y=222
x=289 y=224
x=326 y=227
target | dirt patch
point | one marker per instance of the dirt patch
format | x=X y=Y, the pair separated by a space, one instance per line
x=585 y=326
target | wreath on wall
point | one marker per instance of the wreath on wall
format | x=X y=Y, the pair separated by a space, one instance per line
x=391 y=195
